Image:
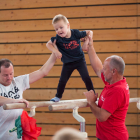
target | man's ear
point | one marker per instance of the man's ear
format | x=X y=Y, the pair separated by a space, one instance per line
x=114 y=70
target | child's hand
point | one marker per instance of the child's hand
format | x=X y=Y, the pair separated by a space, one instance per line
x=58 y=54
x=83 y=39
x=85 y=45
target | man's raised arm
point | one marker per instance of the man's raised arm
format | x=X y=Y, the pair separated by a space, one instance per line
x=94 y=59
x=43 y=71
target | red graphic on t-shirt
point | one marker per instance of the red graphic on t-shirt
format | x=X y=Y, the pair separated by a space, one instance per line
x=72 y=45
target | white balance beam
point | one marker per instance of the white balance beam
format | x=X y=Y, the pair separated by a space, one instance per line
x=61 y=105
x=69 y=105
x=81 y=104
x=39 y=104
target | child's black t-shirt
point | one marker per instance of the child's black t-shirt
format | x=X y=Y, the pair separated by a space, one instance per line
x=70 y=47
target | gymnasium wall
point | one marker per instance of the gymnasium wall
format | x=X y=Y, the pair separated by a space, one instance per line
x=25 y=27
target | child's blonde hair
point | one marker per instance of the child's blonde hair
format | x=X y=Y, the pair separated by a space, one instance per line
x=68 y=133
x=58 y=18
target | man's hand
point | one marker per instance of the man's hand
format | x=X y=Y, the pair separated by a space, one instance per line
x=90 y=41
x=22 y=101
x=91 y=96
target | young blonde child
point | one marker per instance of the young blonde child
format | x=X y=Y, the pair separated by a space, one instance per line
x=70 y=51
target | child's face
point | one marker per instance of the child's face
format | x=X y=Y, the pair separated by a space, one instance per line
x=61 y=28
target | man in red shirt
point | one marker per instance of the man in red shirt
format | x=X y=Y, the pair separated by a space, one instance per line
x=114 y=100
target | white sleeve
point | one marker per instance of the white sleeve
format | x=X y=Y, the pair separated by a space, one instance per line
x=23 y=81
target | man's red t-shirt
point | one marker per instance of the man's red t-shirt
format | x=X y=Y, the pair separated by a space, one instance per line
x=115 y=99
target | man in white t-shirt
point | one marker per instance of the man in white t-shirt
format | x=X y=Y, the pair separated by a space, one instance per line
x=11 y=90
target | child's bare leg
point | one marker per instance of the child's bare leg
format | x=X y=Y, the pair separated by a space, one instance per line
x=85 y=45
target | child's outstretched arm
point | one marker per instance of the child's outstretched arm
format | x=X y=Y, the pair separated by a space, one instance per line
x=89 y=32
x=85 y=44
x=52 y=47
